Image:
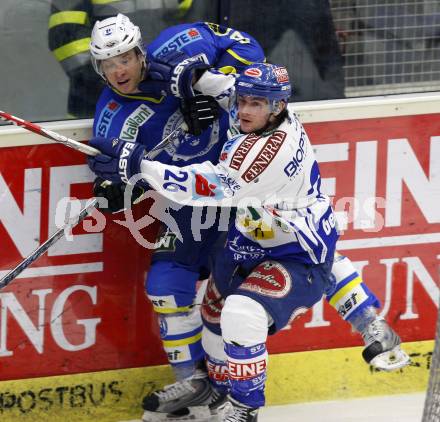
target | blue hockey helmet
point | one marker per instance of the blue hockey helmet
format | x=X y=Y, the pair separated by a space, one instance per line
x=265 y=80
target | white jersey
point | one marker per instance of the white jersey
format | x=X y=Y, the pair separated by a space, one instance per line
x=274 y=182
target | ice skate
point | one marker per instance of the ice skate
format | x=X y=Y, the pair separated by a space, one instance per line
x=238 y=412
x=383 y=346
x=192 y=399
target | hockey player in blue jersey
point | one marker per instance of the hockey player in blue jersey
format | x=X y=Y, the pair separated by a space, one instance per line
x=146 y=117
x=278 y=257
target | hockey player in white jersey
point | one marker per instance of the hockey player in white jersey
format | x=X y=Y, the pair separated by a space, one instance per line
x=278 y=257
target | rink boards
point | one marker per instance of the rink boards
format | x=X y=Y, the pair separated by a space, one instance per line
x=74 y=323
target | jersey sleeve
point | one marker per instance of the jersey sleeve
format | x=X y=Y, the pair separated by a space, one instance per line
x=235 y=49
x=225 y=48
x=197 y=184
x=247 y=172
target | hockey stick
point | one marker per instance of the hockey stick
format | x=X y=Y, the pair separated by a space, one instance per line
x=33 y=127
x=86 y=149
x=154 y=152
x=11 y=275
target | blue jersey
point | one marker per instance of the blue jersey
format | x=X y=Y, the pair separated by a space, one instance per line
x=149 y=118
x=225 y=48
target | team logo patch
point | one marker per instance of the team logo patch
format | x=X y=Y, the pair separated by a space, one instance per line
x=281 y=74
x=203 y=187
x=242 y=252
x=106 y=117
x=265 y=156
x=212 y=304
x=193 y=33
x=206 y=185
x=253 y=72
x=269 y=279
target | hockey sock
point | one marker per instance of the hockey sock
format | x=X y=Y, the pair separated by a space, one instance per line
x=351 y=295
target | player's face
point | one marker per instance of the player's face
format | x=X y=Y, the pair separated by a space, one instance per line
x=124 y=72
x=253 y=112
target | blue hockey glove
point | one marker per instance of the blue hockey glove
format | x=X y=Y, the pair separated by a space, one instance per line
x=118 y=161
x=176 y=70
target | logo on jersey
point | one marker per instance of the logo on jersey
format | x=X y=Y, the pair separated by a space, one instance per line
x=229 y=184
x=268 y=279
x=106 y=117
x=253 y=72
x=134 y=121
x=281 y=74
x=265 y=156
x=203 y=186
x=242 y=252
x=295 y=164
x=242 y=151
x=183 y=38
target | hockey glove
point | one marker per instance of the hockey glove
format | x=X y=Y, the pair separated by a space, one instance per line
x=118 y=161
x=177 y=70
x=199 y=113
x=114 y=194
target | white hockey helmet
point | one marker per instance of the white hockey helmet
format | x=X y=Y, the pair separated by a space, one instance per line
x=114 y=36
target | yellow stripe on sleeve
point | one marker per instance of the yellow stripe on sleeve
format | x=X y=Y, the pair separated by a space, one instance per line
x=72 y=48
x=341 y=293
x=71 y=16
x=104 y=1
x=239 y=58
x=160 y=310
x=183 y=341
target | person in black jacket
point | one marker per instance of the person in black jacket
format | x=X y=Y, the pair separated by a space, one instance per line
x=300 y=34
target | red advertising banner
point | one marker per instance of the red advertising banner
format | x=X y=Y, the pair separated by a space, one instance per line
x=83 y=308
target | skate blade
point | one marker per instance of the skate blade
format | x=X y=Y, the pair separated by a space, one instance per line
x=196 y=414
x=391 y=360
